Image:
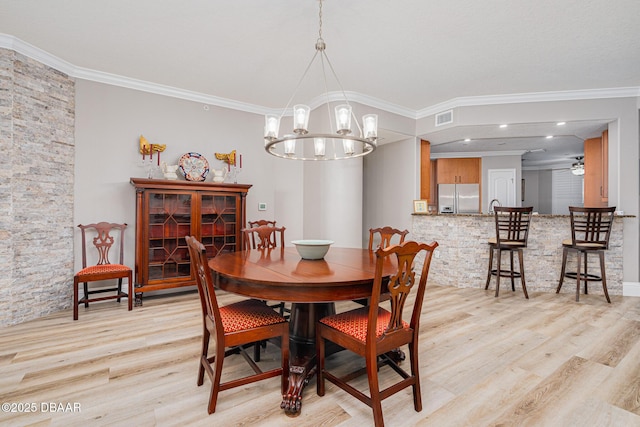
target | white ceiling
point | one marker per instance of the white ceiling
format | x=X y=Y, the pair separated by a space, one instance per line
x=530 y=140
x=405 y=56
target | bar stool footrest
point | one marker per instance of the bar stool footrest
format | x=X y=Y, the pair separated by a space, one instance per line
x=507 y=273
x=586 y=277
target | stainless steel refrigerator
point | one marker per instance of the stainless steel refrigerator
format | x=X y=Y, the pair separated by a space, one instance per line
x=459 y=198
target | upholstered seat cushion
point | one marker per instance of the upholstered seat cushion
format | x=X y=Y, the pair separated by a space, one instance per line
x=494 y=241
x=584 y=245
x=354 y=322
x=96 y=270
x=248 y=314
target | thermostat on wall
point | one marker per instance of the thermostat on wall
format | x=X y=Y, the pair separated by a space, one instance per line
x=262 y=206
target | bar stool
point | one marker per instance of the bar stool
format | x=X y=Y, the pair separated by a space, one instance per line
x=512 y=231
x=590 y=231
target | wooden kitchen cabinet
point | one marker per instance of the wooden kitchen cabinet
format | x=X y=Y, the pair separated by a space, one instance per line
x=604 y=165
x=596 y=171
x=166 y=212
x=459 y=171
x=425 y=171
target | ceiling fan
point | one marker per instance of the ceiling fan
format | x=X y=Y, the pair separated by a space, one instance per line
x=578 y=167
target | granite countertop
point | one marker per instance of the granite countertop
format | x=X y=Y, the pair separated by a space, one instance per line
x=491 y=215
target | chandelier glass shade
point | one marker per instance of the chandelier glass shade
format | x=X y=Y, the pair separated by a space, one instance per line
x=339 y=142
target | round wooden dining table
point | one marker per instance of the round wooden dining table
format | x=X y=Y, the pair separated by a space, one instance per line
x=312 y=286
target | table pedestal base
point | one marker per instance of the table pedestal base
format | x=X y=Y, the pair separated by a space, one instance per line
x=302 y=348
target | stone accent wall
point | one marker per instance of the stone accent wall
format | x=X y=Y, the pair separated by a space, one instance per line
x=37 y=108
x=463 y=258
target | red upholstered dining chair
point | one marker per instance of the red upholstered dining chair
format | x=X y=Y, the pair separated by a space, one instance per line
x=263 y=235
x=106 y=234
x=372 y=332
x=512 y=233
x=232 y=327
x=590 y=232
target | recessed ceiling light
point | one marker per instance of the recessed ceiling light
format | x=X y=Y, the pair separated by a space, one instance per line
x=503 y=126
x=561 y=123
x=549 y=136
x=467 y=139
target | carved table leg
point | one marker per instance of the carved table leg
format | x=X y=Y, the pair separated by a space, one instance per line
x=302 y=347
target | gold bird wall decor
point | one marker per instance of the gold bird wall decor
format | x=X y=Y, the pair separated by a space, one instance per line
x=145 y=146
x=227 y=158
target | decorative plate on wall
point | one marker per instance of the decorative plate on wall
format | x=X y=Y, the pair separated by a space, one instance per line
x=194 y=166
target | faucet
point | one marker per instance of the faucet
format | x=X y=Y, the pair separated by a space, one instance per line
x=496 y=201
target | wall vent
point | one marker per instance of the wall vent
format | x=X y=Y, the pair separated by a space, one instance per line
x=444 y=118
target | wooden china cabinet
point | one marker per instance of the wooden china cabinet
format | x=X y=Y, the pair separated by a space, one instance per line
x=166 y=212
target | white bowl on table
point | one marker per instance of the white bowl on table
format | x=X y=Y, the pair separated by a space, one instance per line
x=312 y=249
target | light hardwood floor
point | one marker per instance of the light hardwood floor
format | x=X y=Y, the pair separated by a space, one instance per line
x=485 y=361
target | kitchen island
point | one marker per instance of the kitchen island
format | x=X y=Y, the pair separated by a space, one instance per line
x=462 y=257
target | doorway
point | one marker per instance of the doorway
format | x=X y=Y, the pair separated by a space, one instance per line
x=502 y=186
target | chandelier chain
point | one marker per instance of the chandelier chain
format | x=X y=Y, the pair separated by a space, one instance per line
x=320 y=22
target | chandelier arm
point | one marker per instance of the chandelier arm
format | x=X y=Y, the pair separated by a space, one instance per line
x=344 y=94
x=299 y=84
x=326 y=92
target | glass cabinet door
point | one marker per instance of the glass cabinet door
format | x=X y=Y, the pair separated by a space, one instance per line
x=169 y=222
x=219 y=222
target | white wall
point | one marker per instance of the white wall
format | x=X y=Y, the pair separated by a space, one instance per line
x=531 y=189
x=109 y=121
x=390 y=186
x=545 y=191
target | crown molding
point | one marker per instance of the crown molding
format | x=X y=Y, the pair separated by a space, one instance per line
x=10 y=42
x=516 y=98
x=158 y=89
x=13 y=43
x=463 y=154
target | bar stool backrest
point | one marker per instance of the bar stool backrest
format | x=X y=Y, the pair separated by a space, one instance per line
x=591 y=226
x=512 y=225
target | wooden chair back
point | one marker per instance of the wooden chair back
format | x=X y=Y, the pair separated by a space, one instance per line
x=591 y=227
x=107 y=235
x=263 y=237
x=204 y=282
x=385 y=236
x=512 y=225
x=399 y=286
x=103 y=241
x=257 y=223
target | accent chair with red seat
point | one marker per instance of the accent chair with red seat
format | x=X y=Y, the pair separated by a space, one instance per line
x=106 y=234
x=373 y=332
x=232 y=327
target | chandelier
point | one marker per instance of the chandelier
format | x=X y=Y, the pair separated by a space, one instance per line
x=339 y=142
x=578 y=167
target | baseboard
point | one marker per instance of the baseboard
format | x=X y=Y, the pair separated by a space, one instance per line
x=631 y=289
